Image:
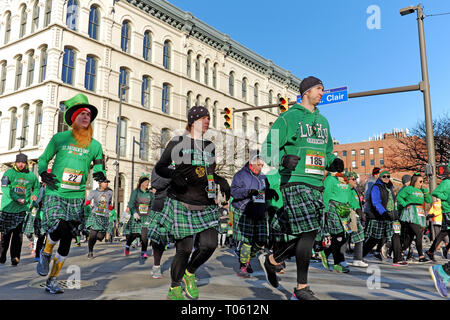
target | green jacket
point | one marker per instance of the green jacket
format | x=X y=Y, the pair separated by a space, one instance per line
x=337 y=191
x=71 y=165
x=305 y=134
x=410 y=195
x=18 y=185
x=443 y=192
x=140 y=202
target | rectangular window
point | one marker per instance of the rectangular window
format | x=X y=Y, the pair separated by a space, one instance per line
x=372 y=162
x=25 y=127
x=123 y=83
x=361 y=152
x=13 y=130
x=166 y=55
x=353 y=164
x=48 y=12
x=43 y=68
x=344 y=153
x=145 y=95
x=165 y=98
x=380 y=150
x=18 y=73
x=89 y=77
x=144 y=142
x=363 y=163
x=93 y=23
x=371 y=151
x=68 y=69
x=123 y=137
x=3 y=78
x=353 y=152
x=382 y=162
x=147 y=49
x=30 y=71
x=38 y=124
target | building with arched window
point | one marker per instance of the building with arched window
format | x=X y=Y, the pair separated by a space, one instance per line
x=164 y=59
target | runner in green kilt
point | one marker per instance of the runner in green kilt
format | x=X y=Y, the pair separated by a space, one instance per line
x=190 y=207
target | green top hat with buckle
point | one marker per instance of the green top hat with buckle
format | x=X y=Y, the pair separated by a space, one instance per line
x=74 y=104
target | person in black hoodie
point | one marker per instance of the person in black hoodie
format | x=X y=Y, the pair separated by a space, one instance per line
x=190 y=207
x=383 y=218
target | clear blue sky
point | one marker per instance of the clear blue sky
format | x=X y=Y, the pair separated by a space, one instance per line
x=330 y=39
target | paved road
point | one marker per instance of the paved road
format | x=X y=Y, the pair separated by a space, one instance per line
x=112 y=276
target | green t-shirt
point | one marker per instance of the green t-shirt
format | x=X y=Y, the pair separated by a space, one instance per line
x=303 y=133
x=71 y=165
x=411 y=195
x=18 y=185
x=443 y=192
x=338 y=191
x=140 y=202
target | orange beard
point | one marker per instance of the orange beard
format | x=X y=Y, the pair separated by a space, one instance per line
x=83 y=136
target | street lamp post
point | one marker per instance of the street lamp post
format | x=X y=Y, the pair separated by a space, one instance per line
x=425 y=88
x=116 y=181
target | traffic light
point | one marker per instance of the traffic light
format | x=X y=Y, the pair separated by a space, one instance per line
x=228 y=118
x=283 y=104
x=442 y=170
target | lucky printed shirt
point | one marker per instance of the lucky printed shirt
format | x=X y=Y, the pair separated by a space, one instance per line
x=18 y=185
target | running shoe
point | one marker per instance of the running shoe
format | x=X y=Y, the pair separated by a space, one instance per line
x=269 y=269
x=445 y=252
x=2 y=260
x=324 y=259
x=53 y=286
x=243 y=273
x=15 y=261
x=90 y=255
x=400 y=264
x=156 y=272
x=360 y=263
x=430 y=255
x=440 y=279
x=127 y=251
x=190 y=286
x=144 y=255
x=176 y=293
x=42 y=267
x=303 y=294
x=423 y=260
x=384 y=252
x=378 y=256
x=36 y=259
x=341 y=268
x=281 y=269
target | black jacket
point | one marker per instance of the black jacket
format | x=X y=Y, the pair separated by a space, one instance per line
x=384 y=197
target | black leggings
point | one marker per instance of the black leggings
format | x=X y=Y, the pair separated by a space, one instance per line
x=301 y=248
x=15 y=237
x=64 y=233
x=337 y=241
x=39 y=243
x=95 y=235
x=440 y=237
x=158 y=250
x=144 y=238
x=207 y=243
x=411 y=231
x=396 y=245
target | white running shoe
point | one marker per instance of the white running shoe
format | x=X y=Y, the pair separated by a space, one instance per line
x=360 y=263
x=156 y=272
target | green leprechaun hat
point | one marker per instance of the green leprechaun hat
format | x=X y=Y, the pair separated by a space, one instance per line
x=76 y=103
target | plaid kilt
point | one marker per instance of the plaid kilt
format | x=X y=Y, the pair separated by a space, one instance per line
x=379 y=229
x=248 y=230
x=110 y=228
x=28 y=224
x=97 y=222
x=333 y=224
x=56 y=208
x=158 y=233
x=409 y=214
x=445 y=221
x=134 y=226
x=302 y=210
x=181 y=222
x=10 y=221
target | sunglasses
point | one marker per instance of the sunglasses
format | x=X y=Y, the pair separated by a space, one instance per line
x=420 y=181
x=386 y=176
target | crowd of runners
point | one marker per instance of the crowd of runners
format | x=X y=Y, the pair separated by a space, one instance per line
x=294 y=198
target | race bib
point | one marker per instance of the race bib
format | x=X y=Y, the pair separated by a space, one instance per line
x=420 y=211
x=71 y=179
x=143 y=208
x=397 y=226
x=315 y=162
x=211 y=187
x=260 y=197
x=20 y=190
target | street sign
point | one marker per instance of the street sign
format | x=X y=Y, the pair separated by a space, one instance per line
x=332 y=96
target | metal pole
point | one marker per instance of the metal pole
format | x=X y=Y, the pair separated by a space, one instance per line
x=426 y=99
x=116 y=182
x=132 y=165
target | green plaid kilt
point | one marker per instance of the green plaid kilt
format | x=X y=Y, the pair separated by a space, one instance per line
x=333 y=224
x=134 y=226
x=181 y=222
x=97 y=222
x=157 y=232
x=302 y=211
x=28 y=224
x=10 y=221
x=445 y=221
x=56 y=208
x=110 y=228
x=379 y=229
x=248 y=230
x=409 y=214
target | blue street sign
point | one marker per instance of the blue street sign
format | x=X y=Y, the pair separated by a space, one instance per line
x=332 y=96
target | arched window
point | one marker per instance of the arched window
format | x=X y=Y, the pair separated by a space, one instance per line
x=90 y=73
x=214 y=76
x=125 y=37
x=3 y=77
x=7 y=28
x=123 y=83
x=147 y=46
x=35 y=21
x=68 y=69
x=257 y=121
x=30 y=68
x=72 y=14
x=198 y=100
x=188 y=101
x=145 y=92
x=144 y=138
x=43 y=64
x=23 y=21
x=18 y=78
x=244 y=89
x=189 y=64
x=231 y=84
x=25 y=126
x=244 y=122
x=165 y=98
x=167 y=54
x=13 y=129
x=214 y=114
x=94 y=22
x=48 y=12
x=37 y=123
x=206 y=72
x=256 y=94
x=197 y=68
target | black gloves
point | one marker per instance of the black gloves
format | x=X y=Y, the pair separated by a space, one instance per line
x=99 y=176
x=253 y=192
x=337 y=165
x=392 y=215
x=290 y=161
x=224 y=186
x=270 y=194
x=48 y=179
